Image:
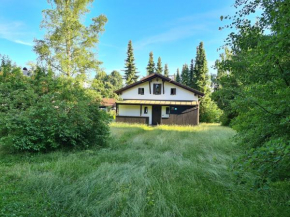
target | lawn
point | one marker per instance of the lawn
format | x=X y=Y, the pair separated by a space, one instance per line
x=145 y=171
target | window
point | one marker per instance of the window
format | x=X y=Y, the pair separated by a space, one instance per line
x=145 y=110
x=157 y=89
x=167 y=110
x=173 y=91
x=141 y=91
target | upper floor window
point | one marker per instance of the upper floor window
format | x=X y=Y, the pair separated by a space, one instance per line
x=141 y=91
x=157 y=89
x=173 y=91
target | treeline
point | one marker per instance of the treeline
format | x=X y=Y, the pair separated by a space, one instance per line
x=253 y=89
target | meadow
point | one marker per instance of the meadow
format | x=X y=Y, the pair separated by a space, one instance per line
x=144 y=171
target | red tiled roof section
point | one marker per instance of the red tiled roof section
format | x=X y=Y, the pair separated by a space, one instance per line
x=108 y=102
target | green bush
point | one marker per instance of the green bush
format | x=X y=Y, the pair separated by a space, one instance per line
x=44 y=113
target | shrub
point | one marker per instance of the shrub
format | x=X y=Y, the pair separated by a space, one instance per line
x=43 y=113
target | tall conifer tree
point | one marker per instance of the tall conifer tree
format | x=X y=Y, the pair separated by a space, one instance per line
x=177 y=79
x=208 y=108
x=191 y=74
x=201 y=70
x=130 y=68
x=185 y=75
x=159 y=66
x=151 y=65
x=166 y=71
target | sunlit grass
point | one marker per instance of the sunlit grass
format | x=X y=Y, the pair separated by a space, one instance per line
x=145 y=171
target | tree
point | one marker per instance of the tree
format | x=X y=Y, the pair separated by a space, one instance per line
x=209 y=112
x=191 y=74
x=166 y=70
x=257 y=80
x=68 y=43
x=105 y=85
x=151 y=65
x=177 y=79
x=115 y=78
x=185 y=75
x=130 y=68
x=159 y=69
x=224 y=82
x=201 y=70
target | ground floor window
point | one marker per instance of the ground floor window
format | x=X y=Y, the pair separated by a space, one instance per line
x=167 y=110
x=145 y=110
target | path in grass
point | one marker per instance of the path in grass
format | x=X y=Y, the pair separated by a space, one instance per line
x=146 y=171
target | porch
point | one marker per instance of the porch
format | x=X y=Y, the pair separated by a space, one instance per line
x=158 y=112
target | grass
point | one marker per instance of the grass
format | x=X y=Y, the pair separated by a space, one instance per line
x=146 y=171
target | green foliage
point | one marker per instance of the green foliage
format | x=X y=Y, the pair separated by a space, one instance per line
x=255 y=88
x=166 y=70
x=200 y=81
x=44 y=113
x=159 y=68
x=185 y=75
x=197 y=77
x=191 y=74
x=68 y=43
x=209 y=111
x=105 y=85
x=225 y=87
x=130 y=68
x=177 y=78
x=151 y=65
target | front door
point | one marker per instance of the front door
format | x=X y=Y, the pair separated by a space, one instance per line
x=156 y=114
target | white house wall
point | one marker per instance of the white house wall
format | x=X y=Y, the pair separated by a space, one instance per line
x=181 y=93
x=134 y=111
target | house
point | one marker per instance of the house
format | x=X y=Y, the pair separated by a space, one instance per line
x=107 y=104
x=156 y=99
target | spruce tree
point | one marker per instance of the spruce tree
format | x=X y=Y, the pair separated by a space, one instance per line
x=185 y=75
x=166 y=71
x=191 y=74
x=195 y=70
x=151 y=65
x=201 y=70
x=159 y=69
x=209 y=111
x=130 y=68
x=177 y=79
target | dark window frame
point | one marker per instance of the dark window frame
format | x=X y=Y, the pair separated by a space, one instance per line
x=173 y=91
x=141 y=90
x=145 y=110
x=155 y=89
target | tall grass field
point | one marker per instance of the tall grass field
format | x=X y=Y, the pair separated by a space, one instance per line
x=145 y=171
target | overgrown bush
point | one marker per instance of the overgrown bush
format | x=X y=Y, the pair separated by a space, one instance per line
x=45 y=112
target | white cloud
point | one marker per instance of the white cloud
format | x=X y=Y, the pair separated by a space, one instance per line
x=172 y=34
x=184 y=27
x=16 y=32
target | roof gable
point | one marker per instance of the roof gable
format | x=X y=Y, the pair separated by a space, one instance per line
x=152 y=76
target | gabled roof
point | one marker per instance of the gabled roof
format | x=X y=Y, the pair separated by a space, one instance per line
x=154 y=75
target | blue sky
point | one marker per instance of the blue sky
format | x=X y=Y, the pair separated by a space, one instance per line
x=171 y=29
